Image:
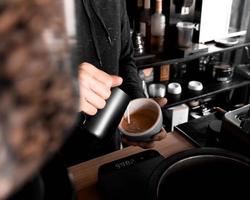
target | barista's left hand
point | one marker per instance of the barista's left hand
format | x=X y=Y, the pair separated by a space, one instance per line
x=159 y=136
x=162 y=101
x=146 y=145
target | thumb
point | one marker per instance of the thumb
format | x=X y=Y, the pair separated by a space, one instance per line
x=116 y=80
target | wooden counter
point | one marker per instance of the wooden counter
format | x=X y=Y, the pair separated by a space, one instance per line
x=84 y=175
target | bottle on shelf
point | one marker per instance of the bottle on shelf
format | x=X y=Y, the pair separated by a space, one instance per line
x=139 y=9
x=164 y=72
x=158 y=23
x=145 y=24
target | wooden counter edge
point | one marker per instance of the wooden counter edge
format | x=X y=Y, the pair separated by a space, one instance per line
x=85 y=175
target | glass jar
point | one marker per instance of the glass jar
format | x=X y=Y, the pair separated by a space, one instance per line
x=223 y=72
x=185 y=33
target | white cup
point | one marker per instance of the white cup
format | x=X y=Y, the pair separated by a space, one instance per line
x=174 y=88
x=195 y=85
x=142 y=120
x=157 y=90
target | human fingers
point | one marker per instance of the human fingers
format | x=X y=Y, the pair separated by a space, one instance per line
x=116 y=80
x=97 y=80
x=104 y=91
x=92 y=93
x=161 y=135
x=98 y=74
x=88 y=80
x=148 y=144
x=94 y=88
x=91 y=97
x=162 y=101
x=145 y=145
x=86 y=107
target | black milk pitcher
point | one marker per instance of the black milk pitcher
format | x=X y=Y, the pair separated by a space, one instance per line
x=107 y=119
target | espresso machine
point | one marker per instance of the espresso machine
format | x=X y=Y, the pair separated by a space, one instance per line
x=235 y=130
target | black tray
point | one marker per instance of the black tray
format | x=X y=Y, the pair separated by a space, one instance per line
x=197 y=131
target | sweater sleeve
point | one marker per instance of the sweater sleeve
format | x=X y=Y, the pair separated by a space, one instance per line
x=132 y=84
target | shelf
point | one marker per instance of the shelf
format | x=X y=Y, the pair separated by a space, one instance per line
x=174 y=56
x=209 y=88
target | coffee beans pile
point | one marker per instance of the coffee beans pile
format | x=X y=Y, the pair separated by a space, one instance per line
x=37 y=99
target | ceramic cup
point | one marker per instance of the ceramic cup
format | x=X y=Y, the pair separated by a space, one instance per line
x=142 y=120
x=157 y=90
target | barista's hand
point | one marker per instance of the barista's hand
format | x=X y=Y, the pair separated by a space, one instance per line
x=161 y=135
x=162 y=101
x=146 y=145
x=94 y=88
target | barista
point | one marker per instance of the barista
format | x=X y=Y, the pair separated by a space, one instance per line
x=105 y=55
x=29 y=132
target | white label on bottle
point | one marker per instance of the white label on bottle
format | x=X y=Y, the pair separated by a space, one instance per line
x=143 y=29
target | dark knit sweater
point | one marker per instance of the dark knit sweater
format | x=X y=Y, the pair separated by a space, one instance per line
x=103 y=39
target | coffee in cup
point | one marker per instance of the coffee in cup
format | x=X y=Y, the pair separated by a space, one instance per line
x=142 y=120
x=139 y=121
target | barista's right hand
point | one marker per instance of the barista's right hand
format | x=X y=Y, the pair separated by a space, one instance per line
x=94 y=88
